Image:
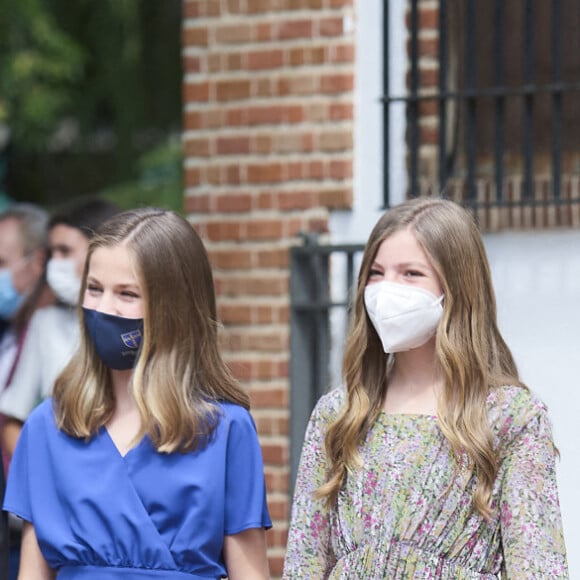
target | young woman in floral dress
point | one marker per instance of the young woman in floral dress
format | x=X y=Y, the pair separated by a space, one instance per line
x=434 y=460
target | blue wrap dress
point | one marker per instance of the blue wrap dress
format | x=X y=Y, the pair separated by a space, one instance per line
x=103 y=516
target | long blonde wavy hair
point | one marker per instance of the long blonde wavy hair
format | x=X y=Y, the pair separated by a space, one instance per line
x=179 y=374
x=469 y=347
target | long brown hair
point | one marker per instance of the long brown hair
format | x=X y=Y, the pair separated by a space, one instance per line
x=469 y=347
x=180 y=373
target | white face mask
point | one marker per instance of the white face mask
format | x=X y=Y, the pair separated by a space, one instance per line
x=62 y=278
x=405 y=317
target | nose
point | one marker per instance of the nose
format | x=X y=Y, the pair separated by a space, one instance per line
x=106 y=304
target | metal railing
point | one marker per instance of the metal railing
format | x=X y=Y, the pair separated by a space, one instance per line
x=321 y=280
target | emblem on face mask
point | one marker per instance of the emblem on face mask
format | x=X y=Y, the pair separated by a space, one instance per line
x=115 y=338
x=132 y=339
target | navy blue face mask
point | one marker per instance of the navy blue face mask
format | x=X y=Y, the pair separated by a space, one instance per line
x=116 y=339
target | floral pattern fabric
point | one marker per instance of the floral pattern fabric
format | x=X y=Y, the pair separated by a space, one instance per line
x=408 y=512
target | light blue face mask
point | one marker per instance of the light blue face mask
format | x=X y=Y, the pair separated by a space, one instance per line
x=10 y=298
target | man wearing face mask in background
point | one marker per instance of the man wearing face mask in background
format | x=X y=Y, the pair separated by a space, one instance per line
x=23 y=253
x=53 y=332
x=23 y=289
x=53 y=335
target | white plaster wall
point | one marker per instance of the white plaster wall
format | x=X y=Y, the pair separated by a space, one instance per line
x=536 y=275
x=368 y=137
x=537 y=282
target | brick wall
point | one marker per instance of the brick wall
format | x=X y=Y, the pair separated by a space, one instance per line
x=268 y=137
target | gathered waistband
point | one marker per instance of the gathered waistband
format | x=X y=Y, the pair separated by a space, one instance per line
x=117 y=573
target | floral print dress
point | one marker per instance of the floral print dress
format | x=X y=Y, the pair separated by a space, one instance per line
x=408 y=512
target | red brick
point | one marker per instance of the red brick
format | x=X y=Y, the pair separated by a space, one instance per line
x=275 y=453
x=294 y=29
x=264 y=32
x=256 y=285
x=275 y=562
x=298 y=85
x=337 y=140
x=263 y=88
x=233 y=174
x=192 y=176
x=429 y=47
x=293 y=200
x=315 y=170
x=234 y=62
x=232 y=258
x=195 y=37
x=337 y=83
x=232 y=90
x=336 y=198
x=257 y=6
x=191 y=64
x=223 y=230
x=268 y=398
x=264 y=229
x=238 y=34
x=344 y=53
x=428 y=108
x=340 y=169
x=295 y=171
x=196 y=92
x=279 y=508
x=199 y=147
x=272 y=258
x=265 y=173
x=265 y=59
x=261 y=144
x=428 y=135
x=428 y=19
x=212 y=7
x=269 y=424
x=198 y=203
x=330 y=26
x=215 y=62
x=191 y=9
x=341 y=111
x=235 y=314
x=277 y=537
x=428 y=77
x=233 y=145
x=276 y=479
x=267 y=200
x=234 y=202
x=207 y=119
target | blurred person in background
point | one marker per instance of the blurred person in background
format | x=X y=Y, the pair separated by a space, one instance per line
x=23 y=254
x=4 y=545
x=53 y=333
x=23 y=289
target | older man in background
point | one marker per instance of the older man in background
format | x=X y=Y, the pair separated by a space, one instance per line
x=23 y=289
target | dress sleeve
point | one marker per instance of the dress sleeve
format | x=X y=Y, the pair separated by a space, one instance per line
x=245 y=494
x=17 y=497
x=531 y=522
x=309 y=553
x=24 y=391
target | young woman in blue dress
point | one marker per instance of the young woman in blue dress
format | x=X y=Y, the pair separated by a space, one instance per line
x=146 y=462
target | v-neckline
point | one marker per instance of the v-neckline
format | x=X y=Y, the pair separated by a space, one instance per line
x=128 y=451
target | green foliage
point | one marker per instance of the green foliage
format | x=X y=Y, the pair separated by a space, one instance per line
x=159 y=183
x=38 y=64
x=87 y=87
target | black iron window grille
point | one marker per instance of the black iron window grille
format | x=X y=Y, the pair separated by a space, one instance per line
x=493 y=103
